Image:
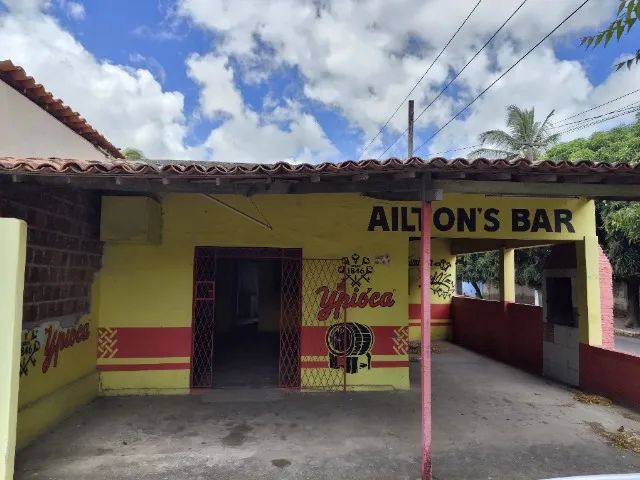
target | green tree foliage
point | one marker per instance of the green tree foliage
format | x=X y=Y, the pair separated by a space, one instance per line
x=478 y=268
x=623 y=250
x=529 y=265
x=618 y=222
x=627 y=16
x=620 y=144
x=524 y=136
x=132 y=153
x=625 y=221
x=484 y=268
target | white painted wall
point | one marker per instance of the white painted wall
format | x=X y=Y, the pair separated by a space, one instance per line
x=561 y=356
x=26 y=130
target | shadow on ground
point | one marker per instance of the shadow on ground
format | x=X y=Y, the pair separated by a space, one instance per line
x=490 y=422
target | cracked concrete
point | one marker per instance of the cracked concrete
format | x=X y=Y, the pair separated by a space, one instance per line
x=490 y=422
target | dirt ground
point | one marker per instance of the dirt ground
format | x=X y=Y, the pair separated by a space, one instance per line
x=490 y=422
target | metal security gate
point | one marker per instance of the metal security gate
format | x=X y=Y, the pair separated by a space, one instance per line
x=204 y=274
x=290 y=322
x=204 y=281
x=325 y=332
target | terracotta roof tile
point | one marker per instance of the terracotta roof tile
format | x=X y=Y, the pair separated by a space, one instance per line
x=16 y=77
x=200 y=168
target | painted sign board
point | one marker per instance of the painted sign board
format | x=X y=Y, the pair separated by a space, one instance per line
x=479 y=216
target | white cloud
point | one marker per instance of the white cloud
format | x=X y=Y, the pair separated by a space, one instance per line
x=218 y=94
x=360 y=58
x=285 y=133
x=27 y=6
x=127 y=105
x=151 y=63
x=75 y=10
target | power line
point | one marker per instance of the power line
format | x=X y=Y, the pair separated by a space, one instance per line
x=566 y=124
x=601 y=105
x=504 y=74
x=421 y=78
x=468 y=147
x=457 y=74
x=596 y=122
x=577 y=125
x=617 y=113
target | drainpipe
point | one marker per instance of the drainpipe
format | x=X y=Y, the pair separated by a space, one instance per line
x=425 y=334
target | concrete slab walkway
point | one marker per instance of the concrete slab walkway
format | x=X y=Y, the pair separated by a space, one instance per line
x=490 y=422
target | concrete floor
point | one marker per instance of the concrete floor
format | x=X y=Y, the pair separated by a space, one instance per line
x=490 y=422
x=627 y=344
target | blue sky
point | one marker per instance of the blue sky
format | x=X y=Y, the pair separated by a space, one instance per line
x=288 y=83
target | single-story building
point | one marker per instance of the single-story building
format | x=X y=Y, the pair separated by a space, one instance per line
x=168 y=277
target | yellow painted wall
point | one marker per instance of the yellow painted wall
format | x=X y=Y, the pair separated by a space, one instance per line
x=150 y=286
x=13 y=239
x=47 y=396
x=141 y=224
x=494 y=217
x=443 y=284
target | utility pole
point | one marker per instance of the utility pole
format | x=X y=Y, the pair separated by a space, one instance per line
x=410 y=131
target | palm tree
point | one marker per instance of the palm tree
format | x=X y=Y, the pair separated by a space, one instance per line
x=524 y=137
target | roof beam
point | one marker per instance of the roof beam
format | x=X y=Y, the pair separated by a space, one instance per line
x=130 y=183
x=533 y=189
x=404 y=175
x=463 y=246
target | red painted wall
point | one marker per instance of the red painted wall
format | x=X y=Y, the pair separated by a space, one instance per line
x=509 y=332
x=615 y=375
x=524 y=324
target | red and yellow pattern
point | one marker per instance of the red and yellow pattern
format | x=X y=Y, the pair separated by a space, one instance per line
x=144 y=348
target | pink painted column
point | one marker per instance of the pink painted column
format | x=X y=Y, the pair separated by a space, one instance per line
x=425 y=334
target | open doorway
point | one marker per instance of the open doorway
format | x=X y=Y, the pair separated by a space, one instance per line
x=246 y=317
x=246 y=337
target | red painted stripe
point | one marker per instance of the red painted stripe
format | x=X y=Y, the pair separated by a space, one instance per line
x=313 y=341
x=383 y=341
x=153 y=342
x=315 y=364
x=374 y=364
x=143 y=366
x=438 y=310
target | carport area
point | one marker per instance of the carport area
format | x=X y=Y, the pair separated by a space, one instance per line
x=490 y=421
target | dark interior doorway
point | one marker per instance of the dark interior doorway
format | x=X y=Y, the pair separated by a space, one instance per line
x=246 y=317
x=246 y=336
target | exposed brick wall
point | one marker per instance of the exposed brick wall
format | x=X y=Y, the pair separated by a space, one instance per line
x=606 y=299
x=63 y=248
